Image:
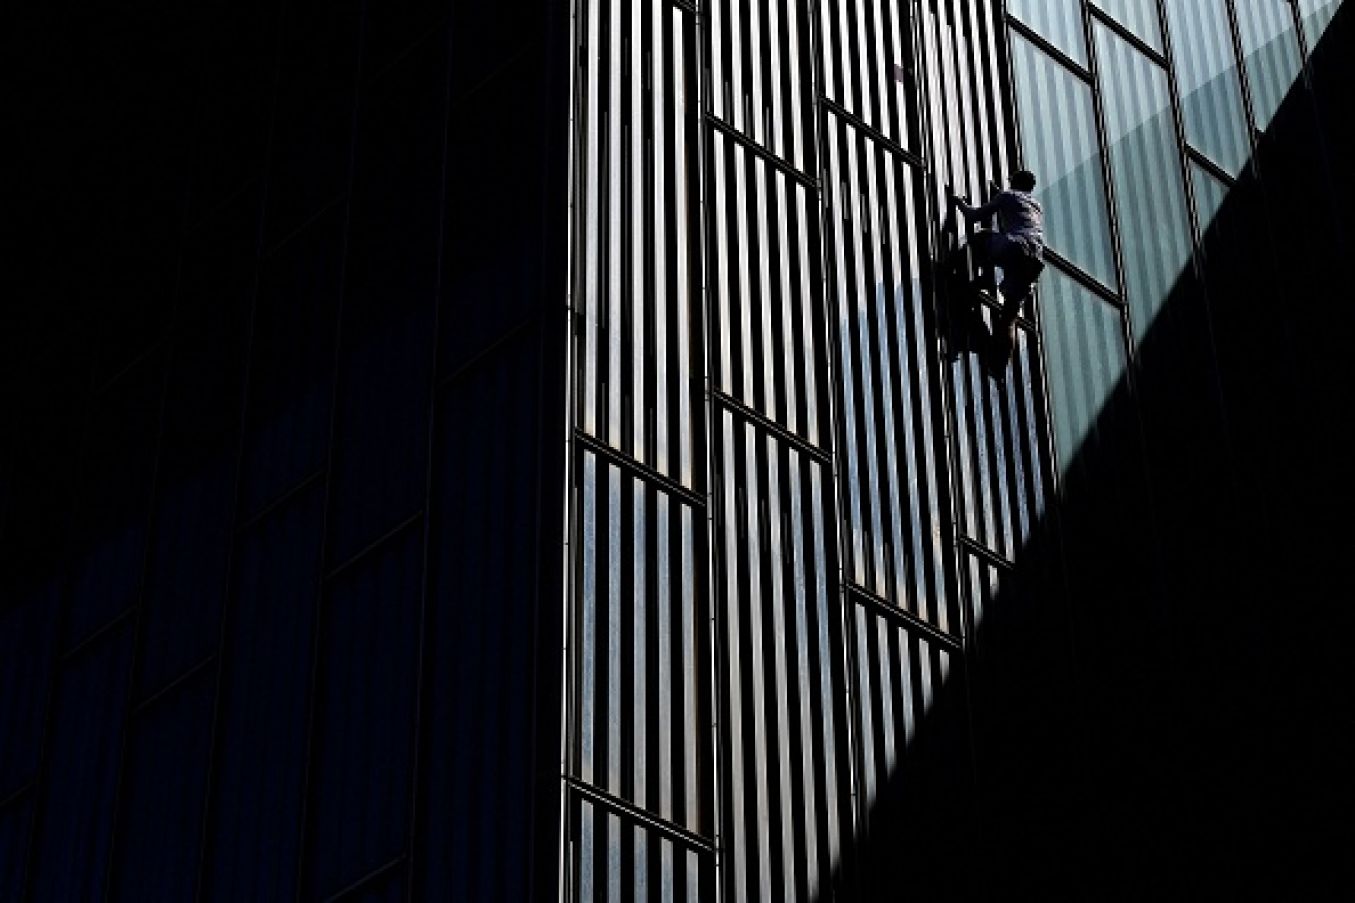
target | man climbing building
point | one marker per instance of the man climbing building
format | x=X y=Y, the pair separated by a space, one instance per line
x=1017 y=246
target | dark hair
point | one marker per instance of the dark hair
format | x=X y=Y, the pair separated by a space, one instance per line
x=1023 y=180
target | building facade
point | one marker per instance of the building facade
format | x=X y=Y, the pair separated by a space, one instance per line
x=795 y=490
x=537 y=454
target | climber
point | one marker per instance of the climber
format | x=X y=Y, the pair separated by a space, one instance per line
x=1017 y=247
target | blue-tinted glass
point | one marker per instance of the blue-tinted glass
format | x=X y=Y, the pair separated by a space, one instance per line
x=1084 y=358
x=253 y=837
x=1058 y=137
x=166 y=776
x=1207 y=78
x=364 y=705
x=74 y=834
x=1146 y=168
x=15 y=819
x=1272 y=53
x=1057 y=21
x=1139 y=16
x=1316 y=16
x=1209 y=195
x=475 y=800
x=27 y=641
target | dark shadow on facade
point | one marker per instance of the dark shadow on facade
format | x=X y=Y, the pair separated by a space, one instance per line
x=1160 y=694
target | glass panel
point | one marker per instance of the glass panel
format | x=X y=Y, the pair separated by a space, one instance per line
x=255 y=828
x=1139 y=16
x=1058 y=136
x=1057 y=21
x=1209 y=195
x=165 y=776
x=1272 y=53
x=613 y=857
x=635 y=189
x=1316 y=16
x=777 y=584
x=641 y=643
x=866 y=61
x=363 y=733
x=1207 y=77
x=1146 y=169
x=27 y=641
x=760 y=69
x=1084 y=354
x=73 y=837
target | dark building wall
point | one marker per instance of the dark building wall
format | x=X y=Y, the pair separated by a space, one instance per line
x=283 y=386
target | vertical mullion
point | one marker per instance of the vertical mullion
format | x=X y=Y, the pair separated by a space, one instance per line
x=791 y=304
x=615 y=296
x=1108 y=182
x=658 y=60
x=1248 y=101
x=1004 y=76
x=592 y=132
x=637 y=220
x=698 y=537
x=766 y=401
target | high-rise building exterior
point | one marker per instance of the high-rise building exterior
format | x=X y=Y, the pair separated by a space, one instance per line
x=541 y=455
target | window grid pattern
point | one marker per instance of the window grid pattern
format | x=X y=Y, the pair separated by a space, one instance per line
x=785 y=773
x=855 y=501
x=1173 y=127
x=829 y=465
x=767 y=329
x=1140 y=17
x=997 y=445
x=638 y=189
x=1270 y=48
x=899 y=676
x=761 y=75
x=892 y=487
x=616 y=858
x=642 y=630
x=995 y=451
x=868 y=66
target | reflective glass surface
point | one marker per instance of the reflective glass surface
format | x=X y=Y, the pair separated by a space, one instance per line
x=1272 y=53
x=1058 y=133
x=1146 y=170
x=1209 y=195
x=1057 y=21
x=1316 y=16
x=1208 y=81
x=1139 y=16
x=1084 y=357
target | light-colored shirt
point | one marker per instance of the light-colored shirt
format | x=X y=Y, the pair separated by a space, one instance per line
x=1019 y=216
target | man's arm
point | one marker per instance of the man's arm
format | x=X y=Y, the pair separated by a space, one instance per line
x=972 y=213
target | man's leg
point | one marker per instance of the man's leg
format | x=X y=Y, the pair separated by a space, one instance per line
x=983 y=248
x=1017 y=283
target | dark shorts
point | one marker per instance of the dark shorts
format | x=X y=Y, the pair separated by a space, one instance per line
x=1020 y=262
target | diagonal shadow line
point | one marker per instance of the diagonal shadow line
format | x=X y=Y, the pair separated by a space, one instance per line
x=1156 y=690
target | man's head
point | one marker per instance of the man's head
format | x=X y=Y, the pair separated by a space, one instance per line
x=1024 y=180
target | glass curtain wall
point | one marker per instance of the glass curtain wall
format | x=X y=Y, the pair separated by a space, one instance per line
x=1157 y=103
x=767 y=449
x=789 y=508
